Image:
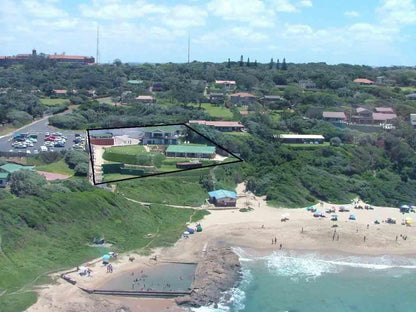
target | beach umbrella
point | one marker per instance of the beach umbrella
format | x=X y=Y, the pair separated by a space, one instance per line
x=186 y=233
x=409 y=220
x=106 y=257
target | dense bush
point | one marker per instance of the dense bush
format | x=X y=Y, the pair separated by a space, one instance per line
x=26 y=182
x=76 y=157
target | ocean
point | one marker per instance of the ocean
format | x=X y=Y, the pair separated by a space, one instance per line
x=296 y=281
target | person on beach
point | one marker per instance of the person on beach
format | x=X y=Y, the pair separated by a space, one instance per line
x=364 y=238
x=272 y=241
x=397 y=237
x=275 y=240
x=281 y=246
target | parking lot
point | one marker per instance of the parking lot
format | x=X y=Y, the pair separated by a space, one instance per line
x=41 y=129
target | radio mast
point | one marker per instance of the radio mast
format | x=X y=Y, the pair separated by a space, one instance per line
x=98 y=43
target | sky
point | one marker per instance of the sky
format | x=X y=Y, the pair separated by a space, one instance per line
x=364 y=32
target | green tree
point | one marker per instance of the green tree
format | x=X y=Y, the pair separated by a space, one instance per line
x=26 y=182
x=277 y=64
x=248 y=62
x=284 y=66
x=271 y=64
x=241 y=61
x=336 y=141
x=229 y=63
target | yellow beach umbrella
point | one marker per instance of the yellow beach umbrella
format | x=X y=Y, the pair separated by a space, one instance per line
x=409 y=220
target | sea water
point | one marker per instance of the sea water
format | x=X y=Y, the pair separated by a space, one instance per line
x=302 y=281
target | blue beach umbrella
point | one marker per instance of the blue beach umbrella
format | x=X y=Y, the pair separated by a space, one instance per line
x=106 y=257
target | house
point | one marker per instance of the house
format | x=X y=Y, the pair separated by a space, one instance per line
x=307 y=84
x=223 y=198
x=334 y=117
x=382 y=80
x=158 y=86
x=135 y=82
x=363 y=115
x=7 y=169
x=63 y=58
x=384 y=110
x=271 y=99
x=242 y=98
x=4 y=178
x=223 y=126
x=190 y=151
x=364 y=82
x=145 y=99
x=92 y=93
x=217 y=98
x=60 y=91
x=302 y=138
x=383 y=118
x=163 y=135
x=102 y=139
x=413 y=120
x=227 y=85
x=411 y=96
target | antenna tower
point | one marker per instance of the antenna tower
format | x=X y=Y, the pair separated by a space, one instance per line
x=98 y=42
x=189 y=46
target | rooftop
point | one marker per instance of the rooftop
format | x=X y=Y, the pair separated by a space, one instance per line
x=383 y=116
x=384 y=110
x=302 y=136
x=334 y=115
x=60 y=91
x=362 y=80
x=10 y=168
x=222 y=194
x=67 y=57
x=218 y=123
x=242 y=94
x=191 y=148
x=144 y=97
x=413 y=119
x=4 y=175
x=163 y=128
x=225 y=81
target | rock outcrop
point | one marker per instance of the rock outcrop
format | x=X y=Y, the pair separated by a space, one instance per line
x=216 y=273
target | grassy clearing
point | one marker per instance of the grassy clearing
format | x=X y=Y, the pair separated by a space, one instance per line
x=129 y=150
x=169 y=189
x=39 y=235
x=306 y=146
x=216 y=111
x=53 y=102
x=56 y=167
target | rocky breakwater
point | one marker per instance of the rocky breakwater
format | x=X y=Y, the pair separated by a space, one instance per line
x=216 y=273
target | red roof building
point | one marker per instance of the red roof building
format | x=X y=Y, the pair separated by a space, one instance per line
x=334 y=116
x=384 y=110
x=72 y=58
x=383 y=117
x=363 y=81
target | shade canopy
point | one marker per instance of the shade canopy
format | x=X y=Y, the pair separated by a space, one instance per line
x=106 y=257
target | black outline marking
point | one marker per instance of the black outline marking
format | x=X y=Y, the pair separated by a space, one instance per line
x=159 y=173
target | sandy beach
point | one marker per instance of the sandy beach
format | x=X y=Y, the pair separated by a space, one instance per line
x=254 y=230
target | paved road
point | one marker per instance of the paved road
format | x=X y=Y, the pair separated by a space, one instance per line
x=40 y=128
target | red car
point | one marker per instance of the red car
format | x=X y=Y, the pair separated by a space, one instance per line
x=50 y=138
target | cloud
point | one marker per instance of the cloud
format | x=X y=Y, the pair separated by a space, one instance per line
x=284 y=6
x=43 y=9
x=305 y=3
x=183 y=16
x=352 y=13
x=397 y=12
x=254 y=12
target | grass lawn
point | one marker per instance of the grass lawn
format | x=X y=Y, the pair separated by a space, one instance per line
x=7 y=130
x=129 y=150
x=216 y=111
x=56 y=167
x=52 y=102
x=306 y=146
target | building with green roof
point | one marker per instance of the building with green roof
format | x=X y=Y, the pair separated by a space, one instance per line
x=10 y=168
x=7 y=169
x=190 y=151
x=4 y=177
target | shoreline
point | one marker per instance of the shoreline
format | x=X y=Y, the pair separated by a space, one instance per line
x=253 y=230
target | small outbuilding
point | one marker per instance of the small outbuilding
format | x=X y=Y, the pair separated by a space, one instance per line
x=223 y=198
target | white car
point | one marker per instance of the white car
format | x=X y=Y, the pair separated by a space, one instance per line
x=43 y=148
